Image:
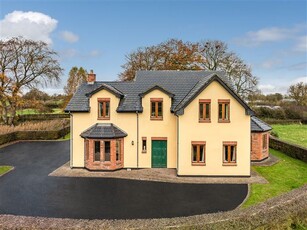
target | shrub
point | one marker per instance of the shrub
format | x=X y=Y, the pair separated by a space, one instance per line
x=35 y=126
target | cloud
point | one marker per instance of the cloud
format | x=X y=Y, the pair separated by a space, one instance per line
x=271 y=63
x=266 y=87
x=300 y=79
x=30 y=25
x=69 y=36
x=301 y=45
x=94 y=53
x=298 y=66
x=271 y=34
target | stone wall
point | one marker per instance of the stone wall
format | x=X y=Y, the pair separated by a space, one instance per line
x=291 y=150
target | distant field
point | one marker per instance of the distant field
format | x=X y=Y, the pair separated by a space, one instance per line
x=294 y=133
x=34 y=111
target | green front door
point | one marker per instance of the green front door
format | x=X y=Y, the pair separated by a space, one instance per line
x=158 y=153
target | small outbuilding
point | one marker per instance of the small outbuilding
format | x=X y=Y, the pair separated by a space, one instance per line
x=260 y=137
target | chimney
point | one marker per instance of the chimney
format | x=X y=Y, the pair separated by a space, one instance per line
x=91 y=77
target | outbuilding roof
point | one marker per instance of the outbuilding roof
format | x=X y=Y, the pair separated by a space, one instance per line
x=182 y=86
x=103 y=131
x=258 y=125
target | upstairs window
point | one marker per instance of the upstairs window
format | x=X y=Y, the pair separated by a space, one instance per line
x=104 y=108
x=156 y=111
x=229 y=153
x=198 y=152
x=204 y=110
x=224 y=110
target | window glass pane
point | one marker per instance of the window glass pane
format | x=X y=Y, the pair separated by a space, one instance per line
x=226 y=111
x=144 y=145
x=225 y=153
x=202 y=154
x=231 y=153
x=107 y=108
x=264 y=141
x=118 y=150
x=153 y=106
x=194 y=152
x=201 y=109
x=107 y=150
x=100 y=109
x=207 y=111
x=97 y=151
x=220 y=111
x=160 y=109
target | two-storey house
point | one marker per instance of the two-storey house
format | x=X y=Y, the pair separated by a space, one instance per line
x=189 y=120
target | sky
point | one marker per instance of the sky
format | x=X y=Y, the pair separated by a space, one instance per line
x=270 y=36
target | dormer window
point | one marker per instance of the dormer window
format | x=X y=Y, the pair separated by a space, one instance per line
x=156 y=111
x=104 y=108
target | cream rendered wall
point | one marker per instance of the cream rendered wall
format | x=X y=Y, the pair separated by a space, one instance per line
x=214 y=134
x=125 y=121
x=157 y=128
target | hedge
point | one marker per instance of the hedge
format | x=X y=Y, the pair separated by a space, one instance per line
x=39 y=117
x=33 y=135
x=291 y=150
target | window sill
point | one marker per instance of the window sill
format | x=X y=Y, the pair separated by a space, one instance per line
x=198 y=164
x=224 y=121
x=229 y=164
x=156 y=118
x=204 y=121
x=103 y=118
x=144 y=151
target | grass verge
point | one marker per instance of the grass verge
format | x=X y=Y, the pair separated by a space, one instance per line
x=65 y=138
x=4 y=169
x=284 y=176
x=294 y=133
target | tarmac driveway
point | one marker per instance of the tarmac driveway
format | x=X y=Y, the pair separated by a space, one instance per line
x=29 y=191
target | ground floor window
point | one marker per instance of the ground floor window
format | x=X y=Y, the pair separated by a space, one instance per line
x=97 y=151
x=229 y=153
x=198 y=152
x=104 y=154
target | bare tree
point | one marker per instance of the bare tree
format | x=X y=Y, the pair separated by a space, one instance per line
x=24 y=64
x=178 y=55
x=298 y=92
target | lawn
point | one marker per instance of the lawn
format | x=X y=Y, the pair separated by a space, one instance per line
x=287 y=174
x=294 y=133
x=4 y=169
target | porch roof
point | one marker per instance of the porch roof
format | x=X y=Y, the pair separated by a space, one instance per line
x=103 y=131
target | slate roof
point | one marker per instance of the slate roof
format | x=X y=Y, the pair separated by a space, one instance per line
x=182 y=86
x=258 y=125
x=103 y=131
